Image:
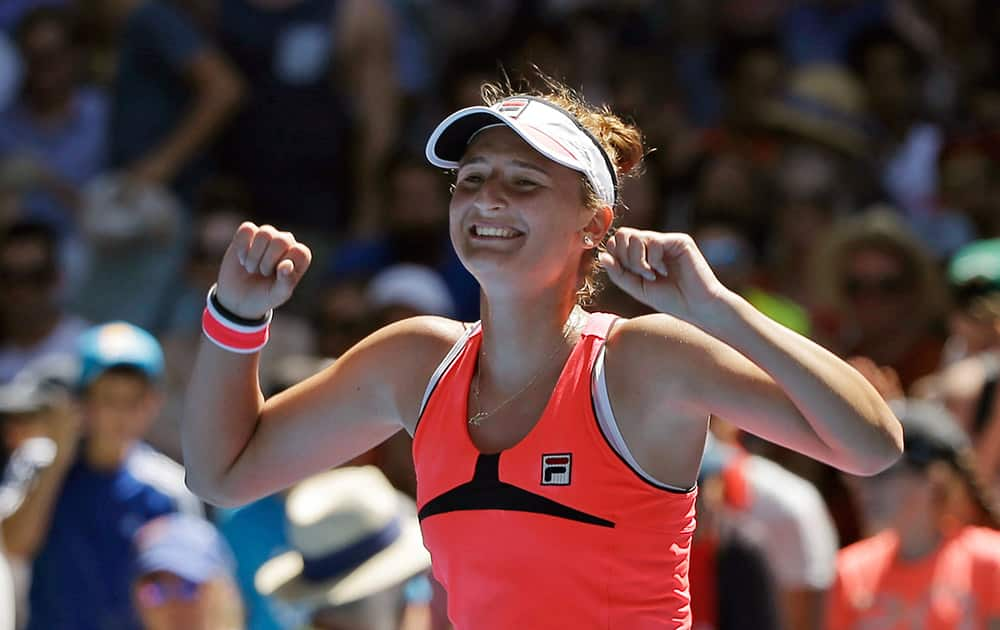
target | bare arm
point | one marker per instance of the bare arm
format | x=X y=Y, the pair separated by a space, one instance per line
x=218 y=91
x=27 y=527
x=744 y=367
x=237 y=446
x=366 y=30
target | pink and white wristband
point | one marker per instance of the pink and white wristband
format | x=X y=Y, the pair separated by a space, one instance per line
x=232 y=332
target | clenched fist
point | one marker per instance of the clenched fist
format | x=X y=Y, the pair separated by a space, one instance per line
x=260 y=269
x=665 y=271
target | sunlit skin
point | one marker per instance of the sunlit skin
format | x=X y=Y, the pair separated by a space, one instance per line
x=503 y=182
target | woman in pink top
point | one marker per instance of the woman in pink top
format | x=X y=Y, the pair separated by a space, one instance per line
x=531 y=216
x=927 y=568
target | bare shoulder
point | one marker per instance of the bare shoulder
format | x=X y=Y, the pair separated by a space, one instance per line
x=408 y=352
x=411 y=344
x=663 y=343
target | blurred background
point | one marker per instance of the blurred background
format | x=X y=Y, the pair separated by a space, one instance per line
x=837 y=162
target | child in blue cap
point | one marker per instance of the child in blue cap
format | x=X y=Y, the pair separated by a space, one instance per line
x=76 y=524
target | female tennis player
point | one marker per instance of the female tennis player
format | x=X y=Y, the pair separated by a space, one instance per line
x=556 y=450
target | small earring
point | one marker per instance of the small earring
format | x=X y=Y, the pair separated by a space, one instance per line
x=588 y=240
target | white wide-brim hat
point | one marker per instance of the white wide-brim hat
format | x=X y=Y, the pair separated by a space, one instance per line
x=549 y=129
x=353 y=535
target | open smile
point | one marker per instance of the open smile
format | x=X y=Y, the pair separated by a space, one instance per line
x=494 y=232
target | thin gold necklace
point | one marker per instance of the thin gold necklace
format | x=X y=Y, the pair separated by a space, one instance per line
x=476 y=419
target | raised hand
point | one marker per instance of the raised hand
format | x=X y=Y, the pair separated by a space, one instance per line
x=665 y=271
x=260 y=270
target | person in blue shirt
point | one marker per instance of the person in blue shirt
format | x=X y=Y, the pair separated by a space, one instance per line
x=76 y=524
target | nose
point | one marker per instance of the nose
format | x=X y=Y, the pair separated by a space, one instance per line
x=490 y=195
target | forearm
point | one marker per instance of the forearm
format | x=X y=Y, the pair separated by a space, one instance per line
x=26 y=528
x=841 y=407
x=222 y=408
x=211 y=108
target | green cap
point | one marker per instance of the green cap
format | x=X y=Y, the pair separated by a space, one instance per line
x=977 y=263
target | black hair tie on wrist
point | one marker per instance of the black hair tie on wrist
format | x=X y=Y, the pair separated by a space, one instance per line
x=231 y=316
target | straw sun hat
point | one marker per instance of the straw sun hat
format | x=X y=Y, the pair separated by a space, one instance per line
x=353 y=535
x=825 y=104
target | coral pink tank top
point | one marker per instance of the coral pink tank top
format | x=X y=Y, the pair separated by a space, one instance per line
x=557 y=531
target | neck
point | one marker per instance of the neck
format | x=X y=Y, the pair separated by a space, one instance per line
x=521 y=332
x=917 y=540
x=105 y=455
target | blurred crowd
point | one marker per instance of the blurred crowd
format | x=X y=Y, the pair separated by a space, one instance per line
x=836 y=161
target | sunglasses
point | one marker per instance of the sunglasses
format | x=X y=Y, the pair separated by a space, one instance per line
x=892 y=285
x=154 y=593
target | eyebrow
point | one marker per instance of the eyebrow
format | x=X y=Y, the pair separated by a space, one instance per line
x=519 y=163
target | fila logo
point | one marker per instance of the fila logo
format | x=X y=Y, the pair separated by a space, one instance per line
x=556 y=469
x=512 y=108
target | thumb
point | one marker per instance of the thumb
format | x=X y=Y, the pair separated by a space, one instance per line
x=285 y=278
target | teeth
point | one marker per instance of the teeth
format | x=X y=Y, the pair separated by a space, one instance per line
x=495 y=231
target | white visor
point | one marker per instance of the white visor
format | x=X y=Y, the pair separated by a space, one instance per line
x=548 y=129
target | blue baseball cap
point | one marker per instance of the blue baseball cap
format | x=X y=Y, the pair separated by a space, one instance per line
x=118 y=344
x=186 y=546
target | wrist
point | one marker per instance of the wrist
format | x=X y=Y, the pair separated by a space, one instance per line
x=231 y=331
x=230 y=315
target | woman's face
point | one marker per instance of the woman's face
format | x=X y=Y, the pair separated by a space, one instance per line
x=514 y=211
x=878 y=289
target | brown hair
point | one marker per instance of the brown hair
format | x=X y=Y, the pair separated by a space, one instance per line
x=621 y=141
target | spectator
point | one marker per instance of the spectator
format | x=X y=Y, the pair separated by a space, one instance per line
x=415 y=220
x=750 y=71
x=821 y=32
x=968 y=171
x=881 y=294
x=786 y=517
x=256 y=532
x=927 y=569
x=56 y=130
x=906 y=145
x=329 y=67
x=342 y=317
x=406 y=290
x=77 y=522
x=968 y=386
x=32 y=320
x=728 y=245
x=356 y=544
x=186 y=88
x=183 y=576
x=732 y=586
x=159 y=152
x=810 y=196
x=29 y=418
